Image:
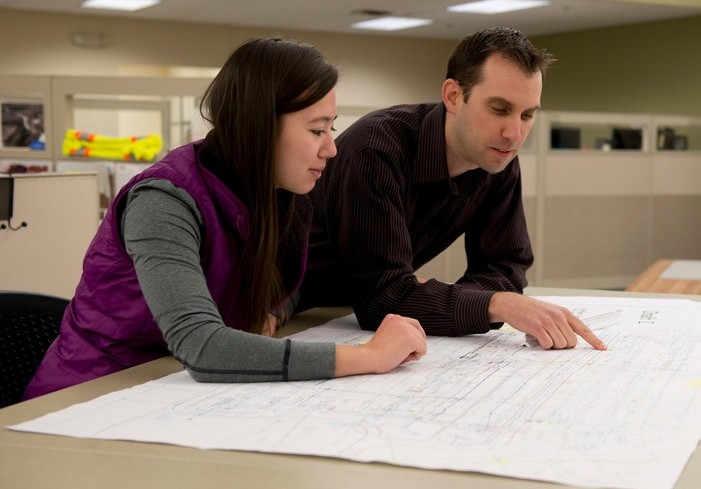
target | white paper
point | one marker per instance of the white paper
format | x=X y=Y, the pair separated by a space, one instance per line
x=629 y=417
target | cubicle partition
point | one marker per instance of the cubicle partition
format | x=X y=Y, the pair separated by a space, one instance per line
x=48 y=222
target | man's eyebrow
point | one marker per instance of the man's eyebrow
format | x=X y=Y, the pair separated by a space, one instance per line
x=501 y=100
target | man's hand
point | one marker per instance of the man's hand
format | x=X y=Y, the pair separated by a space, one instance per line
x=552 y=325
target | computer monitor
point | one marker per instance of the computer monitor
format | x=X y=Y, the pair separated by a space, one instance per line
x=6 y=191
x=626 y=138
x=565 y=138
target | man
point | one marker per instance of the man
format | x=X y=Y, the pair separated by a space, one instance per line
x=409 y=180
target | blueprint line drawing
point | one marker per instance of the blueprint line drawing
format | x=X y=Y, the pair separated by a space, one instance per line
x=629 y=417
x=599 y=319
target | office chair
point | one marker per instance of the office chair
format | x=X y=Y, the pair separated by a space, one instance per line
x=29 y=323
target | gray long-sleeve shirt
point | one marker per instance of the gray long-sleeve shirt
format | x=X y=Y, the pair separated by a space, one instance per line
x=162 y=230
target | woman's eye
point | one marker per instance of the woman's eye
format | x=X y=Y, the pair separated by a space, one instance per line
x=319 y=132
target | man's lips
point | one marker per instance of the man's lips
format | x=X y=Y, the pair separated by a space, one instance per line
x=504 y=152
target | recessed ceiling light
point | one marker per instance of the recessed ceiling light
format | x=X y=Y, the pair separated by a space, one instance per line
x=391 y=23
x=497 y=6
x=127 y=5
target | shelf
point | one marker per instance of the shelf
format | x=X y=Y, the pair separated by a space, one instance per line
x=115 y=107
x=111 y=106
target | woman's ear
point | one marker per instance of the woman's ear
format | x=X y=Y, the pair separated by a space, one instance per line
x=451 y=93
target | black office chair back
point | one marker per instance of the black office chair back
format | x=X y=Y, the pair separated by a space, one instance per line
x=29 y=323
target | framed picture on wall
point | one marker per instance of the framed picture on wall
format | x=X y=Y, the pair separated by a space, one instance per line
x=22 y=124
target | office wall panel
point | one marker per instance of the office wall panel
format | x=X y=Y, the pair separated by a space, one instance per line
x=529 y=174
x=676 y=226
x=589 y=237
x=677 y=173
x=530 y=210
x=598 y=174
x=61 y=212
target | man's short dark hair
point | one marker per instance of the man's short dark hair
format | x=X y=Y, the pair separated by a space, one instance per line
x=468 y=57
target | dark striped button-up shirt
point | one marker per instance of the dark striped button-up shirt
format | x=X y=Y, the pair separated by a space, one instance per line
x=386 y=205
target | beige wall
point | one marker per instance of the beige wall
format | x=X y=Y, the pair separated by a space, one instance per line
x=643 y=68
x=375 y=71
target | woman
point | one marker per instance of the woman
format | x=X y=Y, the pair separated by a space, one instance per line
x=198 y=255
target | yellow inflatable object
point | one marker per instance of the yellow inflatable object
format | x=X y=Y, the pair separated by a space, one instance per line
x=91 y=145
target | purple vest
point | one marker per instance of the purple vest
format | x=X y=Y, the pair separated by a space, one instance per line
x=108 y=326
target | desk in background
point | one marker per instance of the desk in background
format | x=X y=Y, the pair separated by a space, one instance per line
x=36 y=461
x=670 y=276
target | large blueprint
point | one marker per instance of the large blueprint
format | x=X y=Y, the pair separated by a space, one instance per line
x=629 y=417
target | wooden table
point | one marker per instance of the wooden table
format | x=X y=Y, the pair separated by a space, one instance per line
x=653 y=280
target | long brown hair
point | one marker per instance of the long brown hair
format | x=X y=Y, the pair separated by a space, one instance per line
x=262 y=80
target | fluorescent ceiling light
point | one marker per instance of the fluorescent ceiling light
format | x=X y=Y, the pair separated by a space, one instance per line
x=391 y=23
x=127 y=5
x=497 y=6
